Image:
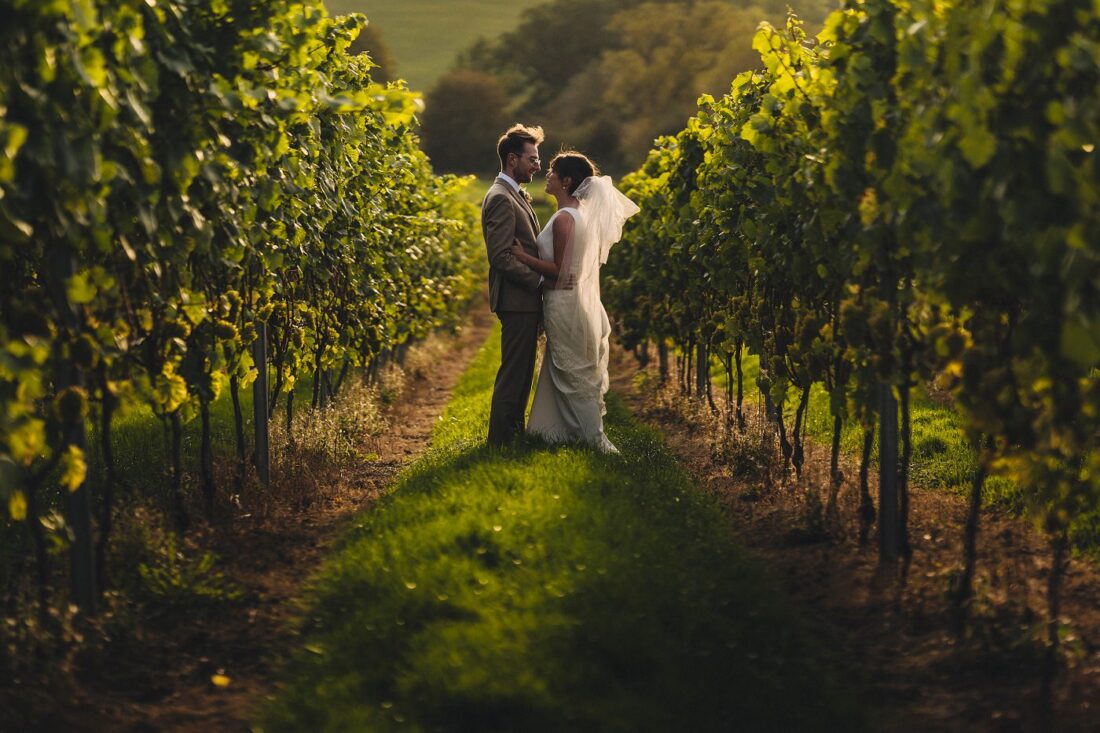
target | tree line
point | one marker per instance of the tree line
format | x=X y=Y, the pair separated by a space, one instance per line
x=604 y=76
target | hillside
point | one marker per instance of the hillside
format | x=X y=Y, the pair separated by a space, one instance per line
x=425 y=35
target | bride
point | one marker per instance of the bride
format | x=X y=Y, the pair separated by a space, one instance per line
x=569 y=397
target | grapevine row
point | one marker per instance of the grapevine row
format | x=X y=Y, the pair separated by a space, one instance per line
x=177 y=178
x=911 y=195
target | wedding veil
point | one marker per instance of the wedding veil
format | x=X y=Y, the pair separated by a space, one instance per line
x=605 y=210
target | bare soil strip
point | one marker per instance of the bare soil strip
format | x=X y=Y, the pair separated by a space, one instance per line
x=897 y=636
x=159 y=677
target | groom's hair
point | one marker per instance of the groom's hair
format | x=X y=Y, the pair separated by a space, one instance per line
x=573 y=165
x=515 y=139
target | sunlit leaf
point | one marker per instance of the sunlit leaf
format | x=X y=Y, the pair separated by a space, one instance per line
x=74 y=469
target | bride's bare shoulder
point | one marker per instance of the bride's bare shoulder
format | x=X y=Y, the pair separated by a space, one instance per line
x=563 y=225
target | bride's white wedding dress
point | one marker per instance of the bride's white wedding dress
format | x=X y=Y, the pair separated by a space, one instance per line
x=569 y=397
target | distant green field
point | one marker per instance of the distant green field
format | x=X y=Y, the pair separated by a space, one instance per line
x=426 y=35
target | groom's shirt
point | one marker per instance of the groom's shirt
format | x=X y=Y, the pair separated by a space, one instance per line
x=509 y=180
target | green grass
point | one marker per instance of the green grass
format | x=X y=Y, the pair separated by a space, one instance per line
x=426 y=35
x=141 y=444
x=550 y=589
x=143 y=462
x=140 y=447
x=942 y=457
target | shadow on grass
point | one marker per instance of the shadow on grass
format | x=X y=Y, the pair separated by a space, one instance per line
x=552 y=589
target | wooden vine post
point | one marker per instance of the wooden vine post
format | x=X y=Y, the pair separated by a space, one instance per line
x=702 y=370
x=889 y=534
x=77 y=498
x=262 y=454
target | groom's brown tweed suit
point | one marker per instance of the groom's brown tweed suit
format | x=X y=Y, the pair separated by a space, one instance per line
x=514 y=296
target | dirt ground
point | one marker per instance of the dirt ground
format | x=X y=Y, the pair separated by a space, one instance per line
x=159 y=674
x=894 y=636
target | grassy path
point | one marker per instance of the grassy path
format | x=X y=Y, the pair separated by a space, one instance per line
x=550 y=590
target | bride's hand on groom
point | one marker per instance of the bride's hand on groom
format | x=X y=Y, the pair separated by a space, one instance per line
x=556 y=284
x=517 y=252
x=568 y=283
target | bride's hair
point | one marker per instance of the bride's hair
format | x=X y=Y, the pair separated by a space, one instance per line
x=573 y=165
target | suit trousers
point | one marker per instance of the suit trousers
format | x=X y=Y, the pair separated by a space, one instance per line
x=519 y=339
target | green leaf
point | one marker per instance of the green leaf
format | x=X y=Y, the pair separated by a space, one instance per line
x=1081 y=343
x=80 y=289
x=978 y=145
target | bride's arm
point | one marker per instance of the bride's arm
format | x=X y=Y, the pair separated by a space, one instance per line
x=542 y=267
x=563 y=233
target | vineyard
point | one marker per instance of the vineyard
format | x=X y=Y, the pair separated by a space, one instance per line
x=219 y=238
x=909 y=199
x=186 y=187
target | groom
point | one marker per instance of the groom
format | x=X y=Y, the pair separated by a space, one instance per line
x=514 y=288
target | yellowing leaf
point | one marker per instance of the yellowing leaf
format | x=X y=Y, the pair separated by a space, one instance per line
x=146 y=317
x=27 y=441
x=868 y=206
x=73 y=468
x=171 y=389
x=16 y=136
x=17 y=506
x=80 y=289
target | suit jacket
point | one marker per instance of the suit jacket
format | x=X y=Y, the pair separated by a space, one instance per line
x=506 y=217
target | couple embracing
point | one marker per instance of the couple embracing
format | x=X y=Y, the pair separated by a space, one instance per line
x=550 y=276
